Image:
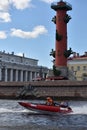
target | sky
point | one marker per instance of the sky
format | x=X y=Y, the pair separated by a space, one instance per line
x=26 y=27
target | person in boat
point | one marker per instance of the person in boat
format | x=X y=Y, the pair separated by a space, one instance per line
x=64 y=104
x=49 y=101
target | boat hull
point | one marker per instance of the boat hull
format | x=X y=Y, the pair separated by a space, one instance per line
x=45 y=108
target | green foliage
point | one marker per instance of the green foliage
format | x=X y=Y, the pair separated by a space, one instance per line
x=54 y=19
x=55 y=71
x=67 y=53
x=67 y=18
x=58 y=37
x=52 y=53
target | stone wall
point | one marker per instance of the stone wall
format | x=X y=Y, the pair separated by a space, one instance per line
x=56 y=89
x=62 y=92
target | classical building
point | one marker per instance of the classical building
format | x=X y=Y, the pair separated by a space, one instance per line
x=19 y=68
x=77 y=66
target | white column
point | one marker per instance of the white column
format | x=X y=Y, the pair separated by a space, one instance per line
x=16 y=75
x=5 y=74
x=26 y=75
x=30 y=75
x=43 y=75
x=35 y=75
x=11 y=75
x=0 y=74
x=21 y=75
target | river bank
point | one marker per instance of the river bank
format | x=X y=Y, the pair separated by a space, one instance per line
x=61 y=89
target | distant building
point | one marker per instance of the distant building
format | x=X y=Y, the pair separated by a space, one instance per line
x=78 y=66
x=19 y=68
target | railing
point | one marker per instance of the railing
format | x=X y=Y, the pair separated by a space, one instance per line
x=68 y=4
x=56 y=3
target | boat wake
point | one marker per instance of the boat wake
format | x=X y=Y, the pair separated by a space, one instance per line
x=6 y=110
x=76 y=110
x=79 y=109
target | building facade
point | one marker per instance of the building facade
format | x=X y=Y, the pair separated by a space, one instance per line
x=78 y=66
x=19 y=68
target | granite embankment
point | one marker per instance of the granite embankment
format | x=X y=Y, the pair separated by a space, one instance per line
x=61 y=89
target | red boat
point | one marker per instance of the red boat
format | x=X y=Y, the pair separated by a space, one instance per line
x=46 y=108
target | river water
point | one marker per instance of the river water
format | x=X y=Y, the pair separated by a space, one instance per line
x=15 y=117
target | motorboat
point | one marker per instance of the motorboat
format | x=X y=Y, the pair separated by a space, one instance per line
x=43 y=108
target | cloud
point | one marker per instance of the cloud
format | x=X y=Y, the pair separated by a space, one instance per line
x=21 y=4
x=4 y=5
x=5 y=17
x=48 y=1
x=3 y=35
x=38 y=30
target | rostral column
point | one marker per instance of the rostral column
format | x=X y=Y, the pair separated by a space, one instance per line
x=61 y=19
